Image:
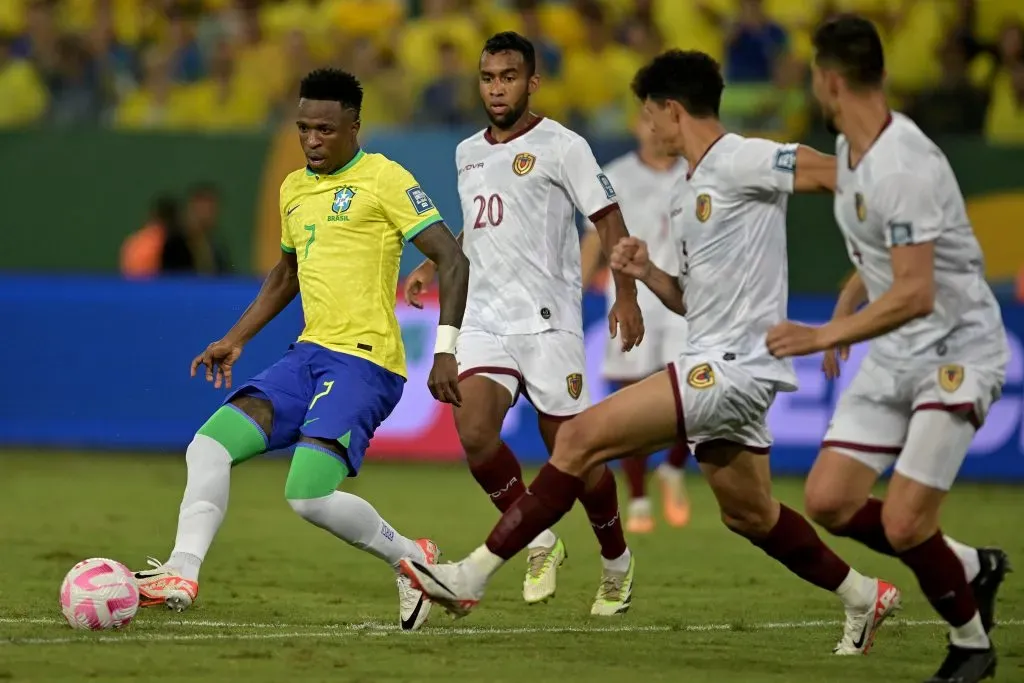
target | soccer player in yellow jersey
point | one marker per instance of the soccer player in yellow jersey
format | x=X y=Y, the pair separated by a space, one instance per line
x=344 y=220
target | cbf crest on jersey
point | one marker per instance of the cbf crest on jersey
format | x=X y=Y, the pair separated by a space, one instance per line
x=701 y=377
x=523 y=163
x=951 y=377
x=862 y=208
x=703 y=207
x=574 y=383
x=343 y=199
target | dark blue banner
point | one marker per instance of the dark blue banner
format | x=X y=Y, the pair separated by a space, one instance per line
x=102 y=363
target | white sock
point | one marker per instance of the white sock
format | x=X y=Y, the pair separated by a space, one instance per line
x=203 y=505
x=483 y=561
x=968 y=557
x=971 y=635
x=354 y=521
x=857 y=591
x=619 y=565
x=545 y=539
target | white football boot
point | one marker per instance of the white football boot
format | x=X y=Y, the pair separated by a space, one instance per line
x=457 y=587
x=413 y=605
x=163 y=585
x=861 y=625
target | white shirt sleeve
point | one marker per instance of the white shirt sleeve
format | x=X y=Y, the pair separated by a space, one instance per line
x=909 y=210
x=583 y=179
x=762 y=167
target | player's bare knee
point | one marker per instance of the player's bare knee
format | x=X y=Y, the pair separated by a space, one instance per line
x=259 y=410
x=576 y=450
x=750 y=518
x=479 y=438
x=829 y=507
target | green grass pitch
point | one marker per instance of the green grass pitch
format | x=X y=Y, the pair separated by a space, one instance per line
x=283 y=601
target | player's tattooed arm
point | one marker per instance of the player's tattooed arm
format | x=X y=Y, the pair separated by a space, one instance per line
x=631 y=257
x=442 y=249
x=278 y=290
x=814 y=172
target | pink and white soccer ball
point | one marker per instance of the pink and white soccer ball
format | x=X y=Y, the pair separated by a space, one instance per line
x=99 y=594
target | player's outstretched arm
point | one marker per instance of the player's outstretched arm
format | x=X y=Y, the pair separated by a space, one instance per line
x=815 y=172
x=439 y=245
x=418 y=281
x=278 y=290
x=631 y=257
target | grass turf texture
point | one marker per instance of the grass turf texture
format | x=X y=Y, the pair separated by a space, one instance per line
x=282 y=600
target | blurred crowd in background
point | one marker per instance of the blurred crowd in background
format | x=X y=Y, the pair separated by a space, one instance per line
x=230 y=65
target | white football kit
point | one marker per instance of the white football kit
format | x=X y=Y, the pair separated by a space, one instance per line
x=903 y=192
x=645 y=197
x=523 y=326
x=729 y=219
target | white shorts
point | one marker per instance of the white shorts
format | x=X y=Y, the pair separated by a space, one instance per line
x=873 y=420
x=546 y=367
x=659 y=347
x=718 y=400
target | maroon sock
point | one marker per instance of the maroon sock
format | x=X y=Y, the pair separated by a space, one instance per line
x=602 y=506
x=942 y=579
x=793 y=542
x=635 y=470
x=500 y=476
x=549 y=498
x=678 y=455
x=866 y=527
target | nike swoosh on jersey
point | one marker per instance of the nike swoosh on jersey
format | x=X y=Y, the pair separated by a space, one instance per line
x=863 y=634
x=407 y=624
x=292 y=210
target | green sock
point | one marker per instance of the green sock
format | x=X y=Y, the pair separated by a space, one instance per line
x=241 y=437
x=314 y=473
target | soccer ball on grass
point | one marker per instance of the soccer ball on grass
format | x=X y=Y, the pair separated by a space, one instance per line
x=99 y=594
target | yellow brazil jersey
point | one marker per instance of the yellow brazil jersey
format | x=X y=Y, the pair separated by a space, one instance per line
x=347 y=230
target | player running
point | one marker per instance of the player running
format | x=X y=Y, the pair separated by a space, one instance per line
x=938 y=353
x=729 y=217
x=644 y=181
x=520 y=183
x=344 y=219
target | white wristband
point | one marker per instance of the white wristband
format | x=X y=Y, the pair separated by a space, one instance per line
x=446 y=338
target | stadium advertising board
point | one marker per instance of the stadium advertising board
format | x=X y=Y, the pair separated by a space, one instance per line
x=100 y=363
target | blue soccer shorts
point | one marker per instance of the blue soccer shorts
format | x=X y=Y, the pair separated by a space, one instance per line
x=324 y=394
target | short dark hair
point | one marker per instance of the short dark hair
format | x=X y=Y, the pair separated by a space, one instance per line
x=691 y=78
x=333 y=85
x=851 y=45
x=513 y=42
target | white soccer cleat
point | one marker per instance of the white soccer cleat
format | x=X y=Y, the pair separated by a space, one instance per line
x=413 y=605
x=542 y=572
x=163 y=585
x=861 y=625
x=454 y=586
x=615 y=594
